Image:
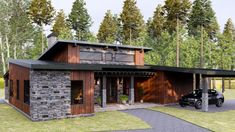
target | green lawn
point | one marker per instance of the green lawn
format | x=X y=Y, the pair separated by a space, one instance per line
x=229 y=94
x=11 y=120
x=218 y=121
x=1 y=93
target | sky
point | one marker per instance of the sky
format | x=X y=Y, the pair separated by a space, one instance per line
x=224 y=9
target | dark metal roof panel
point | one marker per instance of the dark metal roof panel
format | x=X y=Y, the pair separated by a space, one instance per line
x=51 y=65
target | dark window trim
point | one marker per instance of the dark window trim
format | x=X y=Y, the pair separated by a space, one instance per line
x=28 y=103
x=17 y=89
x=87 y=59
x=83 y=92
x=124 y=54
x=11 y=88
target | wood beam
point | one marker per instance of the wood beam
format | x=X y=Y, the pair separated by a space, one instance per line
x=132 y=92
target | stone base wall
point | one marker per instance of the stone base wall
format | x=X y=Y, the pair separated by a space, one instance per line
x=6 y=93
x=50 y=95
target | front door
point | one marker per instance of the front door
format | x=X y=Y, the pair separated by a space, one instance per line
x=111 y=90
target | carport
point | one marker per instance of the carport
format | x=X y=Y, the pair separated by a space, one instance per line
x=201 y=78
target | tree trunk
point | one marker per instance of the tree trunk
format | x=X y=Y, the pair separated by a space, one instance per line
x=202 y=54
x=229 y=83
x=42 y=43
x=14 y=51
x=213 y=82
x=177 y=44
x=2 y=57
x=8 y=46
x=223 y=89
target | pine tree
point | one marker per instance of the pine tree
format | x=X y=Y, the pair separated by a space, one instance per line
x=202 y=15
x=41 y=12
x=229 y=30
x=155 y=26
x=176 y=9
x=132 y=22
x=108 y=29
x=80 y=20
x=60 y=23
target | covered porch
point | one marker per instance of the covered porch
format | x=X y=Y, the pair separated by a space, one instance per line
x=111 y=85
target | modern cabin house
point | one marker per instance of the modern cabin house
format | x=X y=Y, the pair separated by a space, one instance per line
x=71 y=76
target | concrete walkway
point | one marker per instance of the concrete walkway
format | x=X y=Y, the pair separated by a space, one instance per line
x=161 y=122
x=1 y=101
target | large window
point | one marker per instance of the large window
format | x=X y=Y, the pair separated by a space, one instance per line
x=11 y=88
x=124 y=57
x=77 y=95
x=17 y=89
x=108 y=57
x=26 y=92
x=91 y=56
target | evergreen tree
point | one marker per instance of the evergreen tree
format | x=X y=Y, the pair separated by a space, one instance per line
x=229 y=30
x=60 y=23
x=132 y=22
x=41 y=12
x=202 y=15
x=155 y=26
x=108 y=29
x=176 y=9
x=80 y=20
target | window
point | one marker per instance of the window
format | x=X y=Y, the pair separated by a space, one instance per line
x=26 y=92
x=11 y=88
x=77 y=95
x=124 y=57
x=92 y=56
x=108 y=57
x=17 y=89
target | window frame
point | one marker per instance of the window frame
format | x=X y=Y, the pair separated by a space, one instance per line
x=17 y=89
x=27 y=101
x=87 y=59
x=11 y=88
x=124 y=60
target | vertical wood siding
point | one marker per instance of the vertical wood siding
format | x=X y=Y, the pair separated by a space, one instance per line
x=139 y=57
x=18 y=73
x=164 y=87
x=88 y=80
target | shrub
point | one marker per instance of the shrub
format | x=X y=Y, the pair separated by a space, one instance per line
x=1 y=83
x=123 y=97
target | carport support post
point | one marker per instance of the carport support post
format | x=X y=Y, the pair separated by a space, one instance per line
x=131 y=93
x=103 y=100
x=205 y=94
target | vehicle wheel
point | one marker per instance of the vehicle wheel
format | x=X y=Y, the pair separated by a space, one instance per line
x=219 y=103
x=198 y=104
x=182 y=105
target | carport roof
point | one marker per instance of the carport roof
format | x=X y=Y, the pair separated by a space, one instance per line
x=50 y=65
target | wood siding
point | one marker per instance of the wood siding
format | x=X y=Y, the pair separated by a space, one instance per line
x=139 y=57
x=19 y=73
x=88 y=81
x=164 y=87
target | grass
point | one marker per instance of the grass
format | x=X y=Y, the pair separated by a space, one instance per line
x=11 y=120
x=218 y=121
x=1 y=93
x=229 y=94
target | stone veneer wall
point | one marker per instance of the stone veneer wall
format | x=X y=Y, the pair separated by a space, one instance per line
x=6 y=89
x=50 y=95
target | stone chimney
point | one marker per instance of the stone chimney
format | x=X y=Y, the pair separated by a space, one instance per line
x=51 y=38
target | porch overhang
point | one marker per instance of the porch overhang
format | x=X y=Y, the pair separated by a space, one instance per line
x=125 y=73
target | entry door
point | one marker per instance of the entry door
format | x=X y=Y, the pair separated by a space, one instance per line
x=111 y=90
